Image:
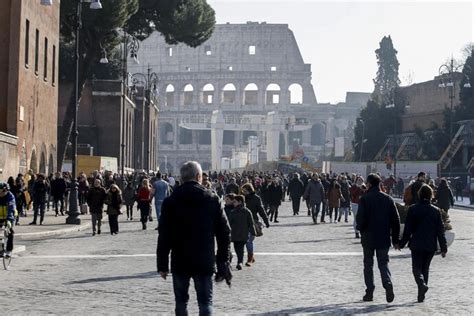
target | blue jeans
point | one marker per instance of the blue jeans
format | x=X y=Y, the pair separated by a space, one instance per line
x=249 y=243
x=158 y=204
x=203 y=287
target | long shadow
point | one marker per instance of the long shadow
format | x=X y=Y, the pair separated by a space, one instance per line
x=144 y=275
x=338 y=309
x=291 y=225
x=319 y=240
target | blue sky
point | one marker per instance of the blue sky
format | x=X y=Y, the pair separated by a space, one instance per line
x=339 y=37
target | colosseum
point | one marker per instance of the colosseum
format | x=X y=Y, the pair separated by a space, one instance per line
x=248 y=82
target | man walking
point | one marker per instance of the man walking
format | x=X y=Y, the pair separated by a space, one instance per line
x=377 y=219
x=295 y=191
x=160 y=191
x=315 y=195
x=191 y=220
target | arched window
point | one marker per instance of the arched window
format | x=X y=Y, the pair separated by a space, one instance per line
x=296 y=93
x=185 y=136
x=272 y=94
x=188 y=94
x=170 y=95
x=251 y=94
x=166 y=133
x=228 y=94
x=208 y=94
x=204 y=137
x=317 y=134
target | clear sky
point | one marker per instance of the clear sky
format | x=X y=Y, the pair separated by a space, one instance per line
x=339 y=37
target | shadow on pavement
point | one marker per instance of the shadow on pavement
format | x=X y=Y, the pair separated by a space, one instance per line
x=319 y=240
x=144 y=275
x=339 y=309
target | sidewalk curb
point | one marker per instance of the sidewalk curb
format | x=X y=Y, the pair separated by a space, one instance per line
x=53 y=232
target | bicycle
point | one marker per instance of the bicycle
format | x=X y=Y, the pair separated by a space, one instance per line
x=6 y=259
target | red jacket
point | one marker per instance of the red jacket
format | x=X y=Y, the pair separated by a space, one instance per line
x=144 y=194
x=356 y=193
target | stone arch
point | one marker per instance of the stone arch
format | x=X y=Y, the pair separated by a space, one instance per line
x=185 y=136
x=208 y=94
x=42 y=163
x=296 y=93
x=317 y=134
x=169 y=90
x=52 y=166
x=188 y=92
x=34 y=160
x=272 y=94
x=229 y=93
x=251 y=94
x=166 y=133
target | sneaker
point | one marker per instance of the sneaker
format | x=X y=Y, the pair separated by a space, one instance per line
x=390 y=296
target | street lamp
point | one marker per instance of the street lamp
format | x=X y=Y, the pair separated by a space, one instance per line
x=362 y=139
x=150 y=85
x=447 y=80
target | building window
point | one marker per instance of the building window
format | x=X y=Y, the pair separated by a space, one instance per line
x=208 y=50
x=273 y=68
x=252 y=50
x=170 y=51
x=53 y=79
x=36 y=50
x=27 y=42
x=45 y=57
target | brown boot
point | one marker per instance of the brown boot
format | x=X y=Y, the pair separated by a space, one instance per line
x=250 y=260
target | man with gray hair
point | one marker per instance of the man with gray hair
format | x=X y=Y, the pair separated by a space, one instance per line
x=191 y=220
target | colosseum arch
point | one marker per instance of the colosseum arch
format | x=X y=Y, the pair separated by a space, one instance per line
x=251 y=94
x=272 y=94
x=229 y=93
x=188 y=91
x=169 y=95
x=208 y=94
x=296 y=93
x=166 y=133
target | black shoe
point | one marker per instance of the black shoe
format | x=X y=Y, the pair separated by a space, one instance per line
x=156 y=228
x=357 y=235
x=143 y=226
x=93 y=233
x=368 y=297
x=421 y=293
x=32 y=223
x=98 y=232
x=275 y=221
x=150 y=219
x=309 y=213
x=389 y=294
x=239 y=266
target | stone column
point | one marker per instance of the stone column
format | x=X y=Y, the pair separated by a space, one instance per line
x=273 y=136
x=217 y=136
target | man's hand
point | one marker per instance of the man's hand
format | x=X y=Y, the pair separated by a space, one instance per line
x=163 y=274
x=443 y=254
x=396 y=246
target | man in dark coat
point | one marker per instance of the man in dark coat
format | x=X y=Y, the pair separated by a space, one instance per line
x=274 y=193
x=40 y=189
x=326 y=185
x=58 y=189
x=191 y=220
x=415 y=187
x=295 y=191
x=314 y=195
x=377 y=219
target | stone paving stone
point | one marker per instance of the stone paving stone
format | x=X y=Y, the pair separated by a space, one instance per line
x=285 y=284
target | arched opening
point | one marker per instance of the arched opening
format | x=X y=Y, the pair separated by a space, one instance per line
x=246 y=135
x=296 y=93
x=42 y=165
x=51 y=164
x=170 y=95
x=208 y=94
x=166 y=133
x=34 y=161
x=317 y=134
x=204 y=137
x=206 y=166
x=185 y=136
x=272 y=94
x=229 y=138
x=228 y=94
x=251 y=94
x=188 y=94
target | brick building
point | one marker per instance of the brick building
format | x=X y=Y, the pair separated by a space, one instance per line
x=29 y=37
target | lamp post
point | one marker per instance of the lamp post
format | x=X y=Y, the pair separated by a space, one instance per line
x=447 y=80
x=73 y=215
x=149 y=82
x=362 y=139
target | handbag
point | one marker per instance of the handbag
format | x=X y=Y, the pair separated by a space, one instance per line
x=84 y=209
x=259 y=229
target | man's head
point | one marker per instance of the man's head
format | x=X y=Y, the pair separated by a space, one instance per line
x=421 y=176
x=373 y=180
x=97 y=183
x=247 y=189
x=191 y=171
x=425 y=193
x=158 y=175
x=4 y=188
x=315 y=176
x=58 y=175
x=239 y=200
x=205 y=178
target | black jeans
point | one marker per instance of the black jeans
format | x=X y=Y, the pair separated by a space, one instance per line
x=382 y=261
x=203 y=287
x=273 y=212
x=144 y=207
x=56 y=203
x=315 y=208
x=239 y=250
x=420 y=261
x=295 y=202
x=113 y=223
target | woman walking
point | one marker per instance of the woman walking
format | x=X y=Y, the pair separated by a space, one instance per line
x=144 y=201
x=444 y=196
x=114 y=203
x=423 y=229
x=334 y=199
x=129 y=200
x=241 y=225
x=254 y=204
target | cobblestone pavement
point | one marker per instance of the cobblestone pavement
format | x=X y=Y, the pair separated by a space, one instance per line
x=301 y=269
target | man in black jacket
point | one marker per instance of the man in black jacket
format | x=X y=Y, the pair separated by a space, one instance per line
x=191 y=218
x=377 y=219
x=295 y=191
x=416 y=186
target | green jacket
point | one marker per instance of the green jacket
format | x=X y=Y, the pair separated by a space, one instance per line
x=241 y=224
